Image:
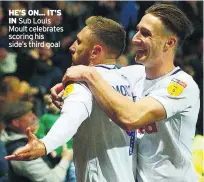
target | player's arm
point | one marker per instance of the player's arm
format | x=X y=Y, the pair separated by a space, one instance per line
x=121 y=110
x=77 y=107
x=66 y=126
x=127 y=114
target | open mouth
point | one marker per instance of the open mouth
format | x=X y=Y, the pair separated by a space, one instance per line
x=140 y=53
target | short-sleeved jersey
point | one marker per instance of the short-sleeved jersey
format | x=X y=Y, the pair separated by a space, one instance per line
x=165 y=147
x=101 y=148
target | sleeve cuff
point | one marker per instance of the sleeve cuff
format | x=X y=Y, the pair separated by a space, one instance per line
x=46 y=143
x=162 y=101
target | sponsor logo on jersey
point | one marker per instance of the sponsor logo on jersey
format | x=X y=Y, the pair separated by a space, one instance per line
x=68 y=90
x=149 y=129
x=176 y=87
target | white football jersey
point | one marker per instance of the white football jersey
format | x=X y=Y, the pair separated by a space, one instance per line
x=165 y=147
x=101 y=148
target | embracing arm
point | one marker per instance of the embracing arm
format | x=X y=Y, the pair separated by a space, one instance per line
x=127 y=114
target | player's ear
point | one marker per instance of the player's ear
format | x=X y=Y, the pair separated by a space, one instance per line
x=97 y=49
x=171 y=42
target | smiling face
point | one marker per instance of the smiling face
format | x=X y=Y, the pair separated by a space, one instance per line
x=82 y=47
x=149 y=40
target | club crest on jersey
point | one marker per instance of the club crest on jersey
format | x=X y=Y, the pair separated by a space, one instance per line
x=69 y=88
x=176 y=87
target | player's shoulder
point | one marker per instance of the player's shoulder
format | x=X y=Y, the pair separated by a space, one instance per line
x=108 y=72
x=76 y=88
x=184 y=80
x=105 y=67
x=133 y=73
x=133 y=70
x=112 y=75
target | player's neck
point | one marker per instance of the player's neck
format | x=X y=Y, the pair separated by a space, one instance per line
x=102 y=61
x=109 y=61
x=159 y=70
x=152 y=73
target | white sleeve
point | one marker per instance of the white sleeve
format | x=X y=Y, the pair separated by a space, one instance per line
x=187 y=98
x=77 y=107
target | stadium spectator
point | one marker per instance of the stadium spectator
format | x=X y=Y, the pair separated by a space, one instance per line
x=18 y=117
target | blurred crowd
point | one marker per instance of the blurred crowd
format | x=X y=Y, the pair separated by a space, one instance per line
x=27 y=74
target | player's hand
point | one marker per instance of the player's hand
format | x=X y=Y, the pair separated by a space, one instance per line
x=56 y=95
x=32 y=150
x=77 y=73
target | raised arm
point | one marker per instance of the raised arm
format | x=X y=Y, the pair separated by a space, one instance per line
x=127 y=114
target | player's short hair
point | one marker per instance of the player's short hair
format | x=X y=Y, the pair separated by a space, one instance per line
x=173 y=18
x=109 y=32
